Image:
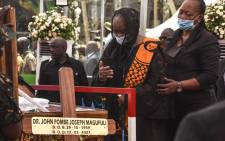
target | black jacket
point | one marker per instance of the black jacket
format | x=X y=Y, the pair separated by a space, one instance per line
x=198 y=58
x=49 y=76
x=149 y=104
x=204 y=125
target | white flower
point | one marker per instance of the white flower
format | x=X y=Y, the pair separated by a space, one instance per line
x=220 y=7
x=61 y=25
x=42 y=15
x=34 y=33
x=55 y=29
x=78 y=29
x=78 y=11
x=69 y=21
x=29 y=26
x=42 y=27
x=57 y=20
x=49 y=19
x=65 y=24
x=46 y=38
x=215 y=18
x=75 y=3
x=221 y=13
x=49 y=33
x=55 y=14
x=218 y=11
x=47 y=24
x=51 y=24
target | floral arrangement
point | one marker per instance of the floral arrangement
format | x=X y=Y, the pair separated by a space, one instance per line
x=50 y=24
x=215 y=19
x=74 y=13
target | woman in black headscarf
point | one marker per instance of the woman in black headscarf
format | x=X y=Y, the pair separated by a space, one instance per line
x=133 y=61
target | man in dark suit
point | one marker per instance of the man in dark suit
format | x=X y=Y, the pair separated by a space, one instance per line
x=49 y=72
x=205 y=125
x=92 y=53
x=220 y=84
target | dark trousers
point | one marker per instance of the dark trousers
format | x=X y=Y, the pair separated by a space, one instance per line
x=153 y=129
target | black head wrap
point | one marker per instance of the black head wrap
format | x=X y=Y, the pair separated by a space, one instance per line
x=131 y=18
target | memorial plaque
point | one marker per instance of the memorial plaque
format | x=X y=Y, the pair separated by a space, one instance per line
x=69 y=126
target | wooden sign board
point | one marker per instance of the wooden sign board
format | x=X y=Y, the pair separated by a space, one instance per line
x=67 y=98
x=8 y=60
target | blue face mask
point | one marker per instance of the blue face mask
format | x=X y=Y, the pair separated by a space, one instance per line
x=185 y=24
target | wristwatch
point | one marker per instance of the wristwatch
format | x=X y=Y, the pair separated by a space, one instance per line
x=179 y=87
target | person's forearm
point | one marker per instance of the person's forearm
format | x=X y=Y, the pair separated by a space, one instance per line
x=190 y=84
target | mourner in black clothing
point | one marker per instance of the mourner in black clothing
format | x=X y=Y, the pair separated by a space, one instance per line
x=192 y=62
x=166 y=36
x=49 y=72
x=132 y=61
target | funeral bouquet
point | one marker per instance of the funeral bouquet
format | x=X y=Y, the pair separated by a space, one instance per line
x=215 y=19
x=52 y=24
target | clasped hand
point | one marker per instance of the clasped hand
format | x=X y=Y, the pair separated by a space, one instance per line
x=169 y=87
x=105 y=72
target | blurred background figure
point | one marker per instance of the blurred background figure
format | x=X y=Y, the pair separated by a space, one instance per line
x=22 y=46
x=108 y=34
x=26 y=60
x=166 y=35
x=81 y=52
x=20 y=62
x=29 y=63
x=92 y=53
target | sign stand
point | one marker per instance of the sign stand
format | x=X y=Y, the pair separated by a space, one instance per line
x=8 y=60
x=67 y=97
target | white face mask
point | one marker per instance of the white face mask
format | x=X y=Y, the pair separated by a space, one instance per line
x=120 y=40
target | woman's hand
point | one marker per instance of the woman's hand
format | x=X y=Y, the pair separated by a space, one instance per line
x=105 y=72
x=168 y=88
